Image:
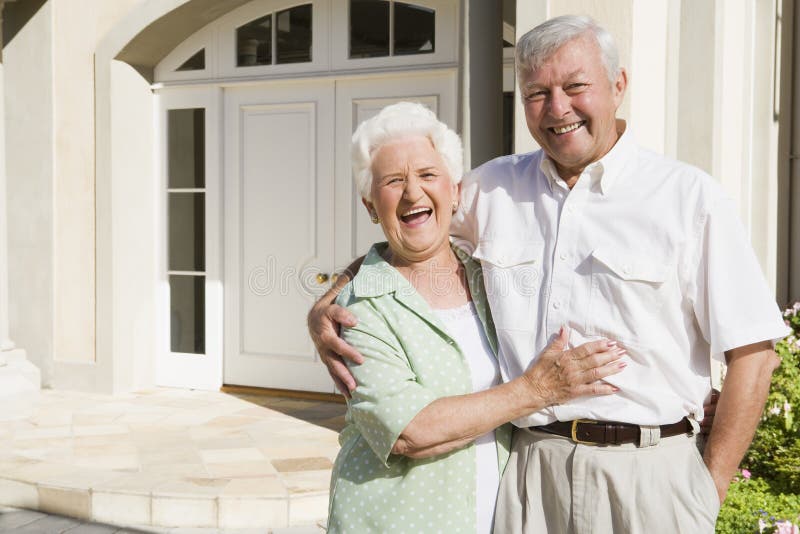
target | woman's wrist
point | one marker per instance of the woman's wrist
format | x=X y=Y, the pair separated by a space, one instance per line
x=528 y=394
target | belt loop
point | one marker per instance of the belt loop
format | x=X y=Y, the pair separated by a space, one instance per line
x=649 y=435
x=695 y=425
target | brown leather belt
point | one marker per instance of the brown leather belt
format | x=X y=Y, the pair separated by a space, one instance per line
x=591 y=432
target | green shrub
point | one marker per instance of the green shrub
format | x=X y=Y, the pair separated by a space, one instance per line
x=752 y=507
x=772 y=495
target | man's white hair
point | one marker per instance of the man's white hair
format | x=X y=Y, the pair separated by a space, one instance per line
x=404 y=119
x=536 y=46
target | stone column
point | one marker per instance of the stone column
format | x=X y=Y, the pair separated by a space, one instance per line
x=20 y=380
x=485 y=98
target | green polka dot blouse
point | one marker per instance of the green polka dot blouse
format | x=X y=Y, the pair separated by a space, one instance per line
x=409 y=362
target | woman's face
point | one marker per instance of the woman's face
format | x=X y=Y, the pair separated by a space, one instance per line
x=413 y=196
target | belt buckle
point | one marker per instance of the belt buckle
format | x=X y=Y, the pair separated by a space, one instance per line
x=574 y=433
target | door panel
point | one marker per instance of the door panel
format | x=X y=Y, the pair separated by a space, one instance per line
x=279 y=236
x=356 y=101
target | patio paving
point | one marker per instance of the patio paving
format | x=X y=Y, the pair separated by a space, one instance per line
x=173 y=458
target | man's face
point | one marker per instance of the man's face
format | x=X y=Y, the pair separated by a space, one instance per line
x=570 y=106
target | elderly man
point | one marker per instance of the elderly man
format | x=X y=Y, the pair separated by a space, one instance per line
x=597 y=233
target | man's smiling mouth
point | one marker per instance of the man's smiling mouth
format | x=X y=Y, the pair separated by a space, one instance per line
x=560 y=130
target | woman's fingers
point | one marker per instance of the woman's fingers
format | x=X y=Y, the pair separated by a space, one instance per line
x=592 y=347
x=594 y=374
x=598 y=388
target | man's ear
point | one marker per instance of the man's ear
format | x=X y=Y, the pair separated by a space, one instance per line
x=620 y=85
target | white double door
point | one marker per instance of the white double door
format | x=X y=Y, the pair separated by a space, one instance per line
x=292 y=216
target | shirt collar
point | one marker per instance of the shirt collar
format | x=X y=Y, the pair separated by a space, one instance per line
x=376 y=277
x=606 y=170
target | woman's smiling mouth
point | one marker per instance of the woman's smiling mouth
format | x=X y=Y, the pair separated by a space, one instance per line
x=416 y=216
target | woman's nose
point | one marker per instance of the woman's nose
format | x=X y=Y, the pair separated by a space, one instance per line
x=413 y=190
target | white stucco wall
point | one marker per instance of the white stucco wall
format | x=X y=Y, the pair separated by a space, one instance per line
x=50 y=108
x=27 y=62
x=73 y=206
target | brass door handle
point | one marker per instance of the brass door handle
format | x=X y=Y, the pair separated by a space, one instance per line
x=322 y=278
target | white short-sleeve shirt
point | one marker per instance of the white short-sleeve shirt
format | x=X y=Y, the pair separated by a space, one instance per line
x=644 y=250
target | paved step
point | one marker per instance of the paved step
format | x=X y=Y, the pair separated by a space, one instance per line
x=169 y=459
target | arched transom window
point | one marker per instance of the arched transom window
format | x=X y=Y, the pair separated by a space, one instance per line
x=274 y=37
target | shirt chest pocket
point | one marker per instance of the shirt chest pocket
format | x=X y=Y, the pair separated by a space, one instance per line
x=627 y=288
x=513 y=277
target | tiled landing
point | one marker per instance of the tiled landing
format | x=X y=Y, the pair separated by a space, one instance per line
x=169 y=458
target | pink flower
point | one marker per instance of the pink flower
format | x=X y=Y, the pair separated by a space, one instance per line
x=786 y=527
x=775 y=410
x=787 y=407
x=746 y=474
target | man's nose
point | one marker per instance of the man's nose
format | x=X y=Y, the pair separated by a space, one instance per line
x=559 y=105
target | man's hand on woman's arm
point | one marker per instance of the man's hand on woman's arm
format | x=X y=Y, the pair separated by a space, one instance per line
x=324 y=320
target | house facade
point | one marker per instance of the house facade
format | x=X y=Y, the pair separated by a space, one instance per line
x=177 y=179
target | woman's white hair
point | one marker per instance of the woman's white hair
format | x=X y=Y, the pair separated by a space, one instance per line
x=397 y=121
x=536 y=46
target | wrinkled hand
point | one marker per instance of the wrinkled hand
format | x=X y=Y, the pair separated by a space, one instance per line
x=709 y=410
x=324 y=321
x=560 y=375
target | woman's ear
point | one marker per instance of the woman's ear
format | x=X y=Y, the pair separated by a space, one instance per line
x=456 y=196
x=370 y=207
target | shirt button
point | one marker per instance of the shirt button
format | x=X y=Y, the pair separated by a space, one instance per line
x=556 y=305
x=563 y=256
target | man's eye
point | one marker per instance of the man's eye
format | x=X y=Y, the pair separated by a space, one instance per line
x=536 y=95
x=576 y=87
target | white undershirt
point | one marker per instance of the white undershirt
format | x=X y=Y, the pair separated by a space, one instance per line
x=465 y=328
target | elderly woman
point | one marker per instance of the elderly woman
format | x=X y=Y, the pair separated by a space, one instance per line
x=422 y=451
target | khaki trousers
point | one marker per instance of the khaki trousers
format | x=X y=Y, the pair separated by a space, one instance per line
x=552 y=485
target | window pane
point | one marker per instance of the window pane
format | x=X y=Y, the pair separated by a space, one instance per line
x=187 y=314
x=196 y=62
x=369 y=28
x=414 y=29
x=293 y=35
x=186 y=148
x=254 y=43
x=186 y=221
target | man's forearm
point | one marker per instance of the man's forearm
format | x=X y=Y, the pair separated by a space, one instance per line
x=341 y=280
x=739 y=410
